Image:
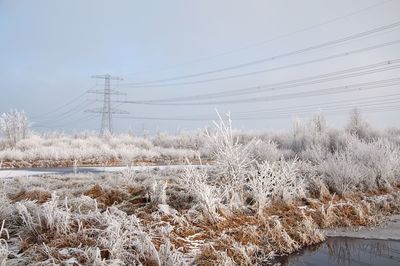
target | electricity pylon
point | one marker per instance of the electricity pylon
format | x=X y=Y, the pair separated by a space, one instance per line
x=107 y=110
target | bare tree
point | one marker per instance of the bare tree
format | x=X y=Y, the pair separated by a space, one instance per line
x=14 y=126
x=357 y=125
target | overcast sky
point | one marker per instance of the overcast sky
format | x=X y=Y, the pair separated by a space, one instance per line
x=50 y=49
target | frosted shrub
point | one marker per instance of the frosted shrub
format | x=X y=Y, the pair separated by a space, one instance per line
x=357 y=126
x=341 y=174
x=182 y=140
x=381 y=158
x=54 y=217
x=27 y=211
x=208 y=197
x=124 y=238
x=304 y=135
x=315 y=154
x=49 y=216
x=300 y=138
x=275 y=181
x=264 y=151
x=232 y=160
x=261 y=186
x=163 y=140
x=158 y=191
x=338 y=140
x=128 y=175
x=318 y=130
x=392 y=135
x=30 y=143
x=362 y=165
x=14 y=126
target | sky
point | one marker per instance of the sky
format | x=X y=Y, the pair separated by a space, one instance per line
x=50 y=49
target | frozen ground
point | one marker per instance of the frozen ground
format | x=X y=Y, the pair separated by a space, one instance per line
x=387 y=230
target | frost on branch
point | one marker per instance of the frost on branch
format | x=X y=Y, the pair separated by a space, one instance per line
x=208 y=197
x=232 y=160
x=14 y=126
x=275 y=181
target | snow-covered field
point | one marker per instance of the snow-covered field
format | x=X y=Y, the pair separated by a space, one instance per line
x=255 y=195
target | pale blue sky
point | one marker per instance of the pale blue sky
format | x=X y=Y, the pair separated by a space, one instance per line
x=49 y=50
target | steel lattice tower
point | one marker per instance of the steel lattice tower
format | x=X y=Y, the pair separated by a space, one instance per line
x=107 y=110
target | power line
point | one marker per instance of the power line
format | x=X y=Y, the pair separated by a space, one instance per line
x=61 y=107
x=330 y=112
x=252 y=73
x=296 y=95
x=312 y=93
x=82 y=119
x=368 y=104
x=280 y=56
x=376 y=109
x=332 y=76
x=363 y=100
x=70 y=112
x=282 y=36
x=335 y=107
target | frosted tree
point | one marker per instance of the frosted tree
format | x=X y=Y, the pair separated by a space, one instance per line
x=357 y=125
x=14 y=126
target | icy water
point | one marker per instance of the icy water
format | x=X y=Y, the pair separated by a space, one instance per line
x=9 y=173
x=347 y=251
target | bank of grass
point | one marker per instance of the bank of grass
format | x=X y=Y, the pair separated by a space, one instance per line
x=108 y=220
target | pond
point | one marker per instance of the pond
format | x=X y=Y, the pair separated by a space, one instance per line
x=346 y=251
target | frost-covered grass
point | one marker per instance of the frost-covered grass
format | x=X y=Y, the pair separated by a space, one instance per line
x=89 y=149
x=262 y=195
x=159 y=218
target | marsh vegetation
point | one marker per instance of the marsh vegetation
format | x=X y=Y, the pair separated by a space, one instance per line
x=256 y=195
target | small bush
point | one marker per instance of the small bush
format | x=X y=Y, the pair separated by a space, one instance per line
x=275 y=181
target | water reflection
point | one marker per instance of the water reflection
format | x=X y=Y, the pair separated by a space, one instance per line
x=347 y=251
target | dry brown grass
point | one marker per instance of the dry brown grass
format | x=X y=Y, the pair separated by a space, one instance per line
x=284 y=228
x=34 y=195
x=106 y=198
x=242 y=237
